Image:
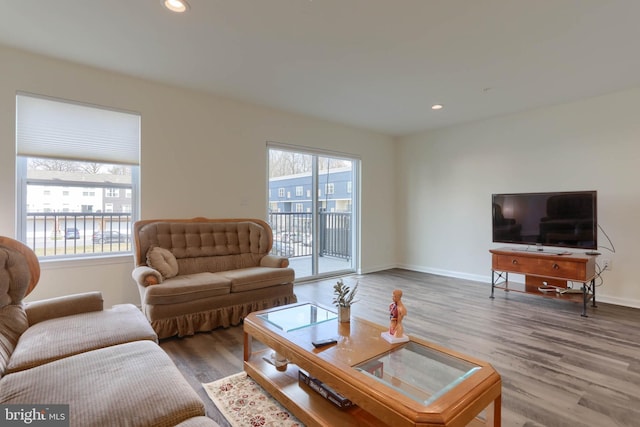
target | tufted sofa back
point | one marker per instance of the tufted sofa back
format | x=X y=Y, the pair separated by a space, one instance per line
x=19 y=273
x=202 y=244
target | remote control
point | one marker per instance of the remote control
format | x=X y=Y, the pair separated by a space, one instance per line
x=322 y=343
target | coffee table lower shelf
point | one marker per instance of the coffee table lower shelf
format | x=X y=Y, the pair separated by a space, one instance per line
x=310 y=408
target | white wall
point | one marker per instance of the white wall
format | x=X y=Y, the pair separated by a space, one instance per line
x=447 y=178
x=202 y=155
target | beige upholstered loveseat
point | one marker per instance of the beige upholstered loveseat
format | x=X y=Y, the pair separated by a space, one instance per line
x=199 y=274
x=104 y=363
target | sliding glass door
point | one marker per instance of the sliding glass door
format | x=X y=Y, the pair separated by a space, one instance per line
x=313 y=210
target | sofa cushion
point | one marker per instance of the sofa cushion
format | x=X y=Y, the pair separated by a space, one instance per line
x=162 y=260
x=187 y=287
x=66 y=305
x=61 y=337
x=132 y=384
x=13 y=321
x=247 y=279
x=215 y=264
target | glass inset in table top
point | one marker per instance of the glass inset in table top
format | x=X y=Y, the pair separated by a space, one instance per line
x=419 y=372
x=298 y=317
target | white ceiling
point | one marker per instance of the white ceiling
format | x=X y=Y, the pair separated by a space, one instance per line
x=375 y=64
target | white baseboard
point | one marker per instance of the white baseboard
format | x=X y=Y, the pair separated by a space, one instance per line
x=625 y=302
x=447 y=273
x=617 y=301
x=377 y=268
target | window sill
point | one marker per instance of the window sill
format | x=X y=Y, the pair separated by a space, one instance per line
x=58 y=263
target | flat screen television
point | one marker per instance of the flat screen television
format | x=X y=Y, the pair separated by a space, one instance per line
x=565 y=219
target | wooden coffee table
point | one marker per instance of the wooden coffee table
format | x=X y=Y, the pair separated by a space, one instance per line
x=416 y=383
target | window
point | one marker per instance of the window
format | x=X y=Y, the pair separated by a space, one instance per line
x=84 y=153
x=329 y=188
x=281 y=192
x=349 y=185
x=299 y=191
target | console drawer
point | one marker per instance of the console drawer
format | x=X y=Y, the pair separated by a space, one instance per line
x=539 y=266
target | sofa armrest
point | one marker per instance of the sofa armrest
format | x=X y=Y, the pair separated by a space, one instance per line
x=51 y=308
x=274 y=261
x=146 y=276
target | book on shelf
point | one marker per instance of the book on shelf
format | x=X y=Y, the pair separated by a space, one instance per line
x=324 y=390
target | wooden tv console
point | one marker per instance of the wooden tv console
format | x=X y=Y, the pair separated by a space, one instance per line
x=545 y=270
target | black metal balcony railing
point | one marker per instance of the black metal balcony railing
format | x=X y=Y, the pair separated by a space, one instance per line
x=63 y=234
x=60 y=234
x=293 y=236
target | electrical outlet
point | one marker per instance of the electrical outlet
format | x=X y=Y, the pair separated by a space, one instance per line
x=606 y=264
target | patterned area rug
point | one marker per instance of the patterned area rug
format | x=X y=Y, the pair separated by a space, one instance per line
x=245 y=404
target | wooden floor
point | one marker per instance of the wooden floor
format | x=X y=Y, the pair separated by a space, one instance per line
x=557 y=368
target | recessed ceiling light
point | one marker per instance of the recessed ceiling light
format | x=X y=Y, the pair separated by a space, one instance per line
x=178 y=6
x=437 y=107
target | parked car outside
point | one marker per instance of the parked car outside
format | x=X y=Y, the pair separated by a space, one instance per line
x=110 y=237
x=282 y=249
x=307 y=239
x=292 y=237
x=285 y=237
x=71 y=233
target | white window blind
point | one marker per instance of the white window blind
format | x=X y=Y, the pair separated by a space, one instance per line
x=66 y=130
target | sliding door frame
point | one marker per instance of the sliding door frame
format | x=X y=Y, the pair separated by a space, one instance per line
x=315 y=203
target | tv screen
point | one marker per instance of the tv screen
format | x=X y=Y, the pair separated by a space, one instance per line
x=566 y=219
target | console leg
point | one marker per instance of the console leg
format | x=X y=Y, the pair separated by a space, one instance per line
x=584 y=300
x=493 y=282
x=593 y=290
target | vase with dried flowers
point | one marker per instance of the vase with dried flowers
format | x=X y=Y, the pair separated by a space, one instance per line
x=343 y=297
